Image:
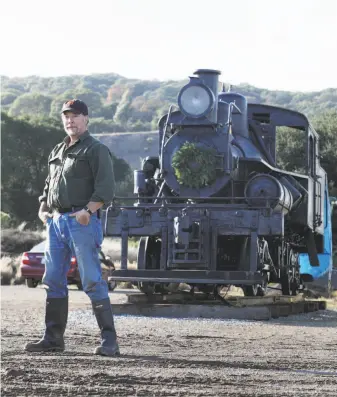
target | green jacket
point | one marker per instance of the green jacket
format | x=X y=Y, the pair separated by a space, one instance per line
x=79 y=174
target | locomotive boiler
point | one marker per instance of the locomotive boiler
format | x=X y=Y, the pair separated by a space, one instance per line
x=214 y=208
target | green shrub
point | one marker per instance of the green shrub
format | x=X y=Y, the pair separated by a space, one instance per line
x=5 y=220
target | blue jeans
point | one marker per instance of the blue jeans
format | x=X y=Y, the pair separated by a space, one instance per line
x=66 y=238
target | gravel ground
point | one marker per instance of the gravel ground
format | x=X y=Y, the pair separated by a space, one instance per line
x=293 y=356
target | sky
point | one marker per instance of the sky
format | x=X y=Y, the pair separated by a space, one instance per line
x=274 y=44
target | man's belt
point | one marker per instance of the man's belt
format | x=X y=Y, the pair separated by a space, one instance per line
x=73 y=209
x=69 y=209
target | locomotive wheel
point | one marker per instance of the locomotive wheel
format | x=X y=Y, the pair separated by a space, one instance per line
x=263 y=260
x=150 y=248
x=289 y=284
x=285 y=281
x=250 y=290
x=165 y=288
x=256 y=289
x=295 y=280
x=289 y=276
x=294 y=287
x=205 y=288
x=146 y=287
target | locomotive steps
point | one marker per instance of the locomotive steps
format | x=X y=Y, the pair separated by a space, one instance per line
x=184 y=305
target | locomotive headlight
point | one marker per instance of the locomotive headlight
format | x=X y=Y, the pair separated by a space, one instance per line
x=196 y=100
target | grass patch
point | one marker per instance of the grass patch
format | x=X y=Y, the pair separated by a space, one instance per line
x=16 y=241
x=10 y=270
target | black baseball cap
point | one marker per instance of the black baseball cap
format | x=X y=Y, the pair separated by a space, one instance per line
x=75 y=106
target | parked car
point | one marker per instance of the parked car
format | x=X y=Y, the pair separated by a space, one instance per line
x=33 y=261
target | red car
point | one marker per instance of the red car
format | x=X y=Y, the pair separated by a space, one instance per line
x=32 y=268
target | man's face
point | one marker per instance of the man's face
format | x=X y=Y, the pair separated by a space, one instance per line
x=74 y=124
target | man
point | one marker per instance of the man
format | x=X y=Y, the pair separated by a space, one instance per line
x=79 y=182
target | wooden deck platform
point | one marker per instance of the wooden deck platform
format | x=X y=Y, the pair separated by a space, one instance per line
x=186 y=305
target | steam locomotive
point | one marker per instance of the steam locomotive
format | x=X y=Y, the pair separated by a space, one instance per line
x=214 y=208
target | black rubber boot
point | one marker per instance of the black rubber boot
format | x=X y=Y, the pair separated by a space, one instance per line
x=103 y=312
x=56 y=321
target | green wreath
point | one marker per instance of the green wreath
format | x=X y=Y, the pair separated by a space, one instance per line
x=195 y=166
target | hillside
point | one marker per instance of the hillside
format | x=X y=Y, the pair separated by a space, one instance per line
x=118 y=104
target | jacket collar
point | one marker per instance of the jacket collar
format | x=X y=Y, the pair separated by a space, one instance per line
x=82 y=137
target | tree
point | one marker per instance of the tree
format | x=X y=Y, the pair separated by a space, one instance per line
x=128 y=101
x=123 y=109
x=8 y=97
x=290 y=149
x=123 y=178
x=290 y=145
x=32 y=104
x=326 y=127
x=26 y=144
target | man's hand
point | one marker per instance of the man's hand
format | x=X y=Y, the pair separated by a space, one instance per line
x=82 y=217
x=44 y=213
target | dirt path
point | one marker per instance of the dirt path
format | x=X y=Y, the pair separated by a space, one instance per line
x=294 y=356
